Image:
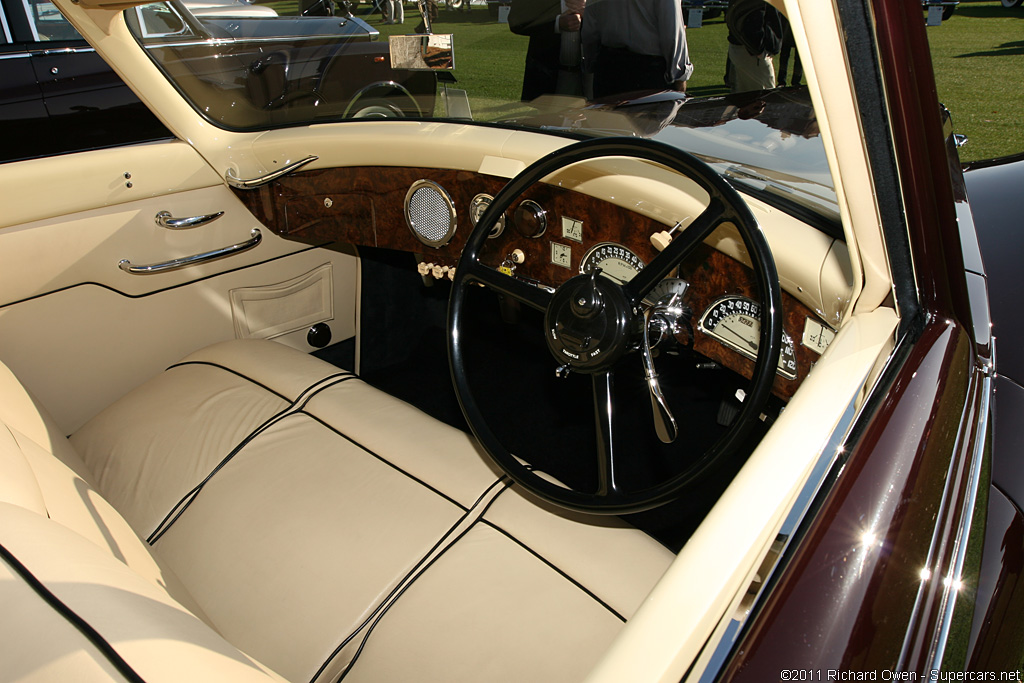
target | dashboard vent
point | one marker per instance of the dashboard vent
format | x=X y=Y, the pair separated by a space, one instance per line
x=430 y=213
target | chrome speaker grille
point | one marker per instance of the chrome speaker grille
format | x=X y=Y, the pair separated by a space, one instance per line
x=430 y=213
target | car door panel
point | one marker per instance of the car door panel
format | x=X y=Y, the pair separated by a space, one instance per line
x=65 y=298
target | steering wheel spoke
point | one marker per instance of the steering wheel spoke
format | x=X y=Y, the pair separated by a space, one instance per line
x=508 y=285
x=677 y=250
x=593 y=324
x=604 y=420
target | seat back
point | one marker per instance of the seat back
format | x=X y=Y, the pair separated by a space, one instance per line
x=83 y=598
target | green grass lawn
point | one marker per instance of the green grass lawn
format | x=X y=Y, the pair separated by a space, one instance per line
x=978 y=55
x=979 y=66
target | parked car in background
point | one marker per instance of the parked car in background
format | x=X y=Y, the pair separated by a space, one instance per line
x=239 y=8
x=651 y=389
x=57 y=95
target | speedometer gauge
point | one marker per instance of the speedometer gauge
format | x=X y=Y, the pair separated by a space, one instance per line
x=615 y=261
x=735 y=321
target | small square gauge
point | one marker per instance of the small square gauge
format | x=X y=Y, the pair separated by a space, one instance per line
x=572 y=229
x=561 y=255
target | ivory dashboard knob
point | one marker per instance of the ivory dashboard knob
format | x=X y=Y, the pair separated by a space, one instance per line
x=662 y=239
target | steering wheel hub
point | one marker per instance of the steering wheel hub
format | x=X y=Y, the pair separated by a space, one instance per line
x=589 y=324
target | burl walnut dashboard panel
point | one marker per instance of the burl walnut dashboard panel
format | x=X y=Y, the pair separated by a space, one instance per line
x=366 y=206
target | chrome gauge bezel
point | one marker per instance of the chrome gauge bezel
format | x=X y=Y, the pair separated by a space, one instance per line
x=606 y=251
x=448 y=209
x=477 y=206
x=728 y=306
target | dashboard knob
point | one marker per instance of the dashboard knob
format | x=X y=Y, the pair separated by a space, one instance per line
x=530 y=218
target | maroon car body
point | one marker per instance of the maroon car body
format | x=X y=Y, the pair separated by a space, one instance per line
x=920 y=465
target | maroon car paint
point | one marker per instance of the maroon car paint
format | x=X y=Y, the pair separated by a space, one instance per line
x=847 y=598
x=864 y=589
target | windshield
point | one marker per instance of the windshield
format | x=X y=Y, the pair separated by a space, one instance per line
x=675 y=72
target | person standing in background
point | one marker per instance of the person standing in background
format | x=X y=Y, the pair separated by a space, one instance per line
x=789 y=48
x=394 y=11
x=755 y=34
x=635 y=45
x=553 y=54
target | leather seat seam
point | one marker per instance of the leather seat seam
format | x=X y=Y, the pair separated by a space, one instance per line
x=554 y=567
x=384 y=460
x=294 y=407
x=344 y=373
x=483 y=502
x=70 y=616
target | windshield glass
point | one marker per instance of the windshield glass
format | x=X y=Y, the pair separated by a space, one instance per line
x=729 y=92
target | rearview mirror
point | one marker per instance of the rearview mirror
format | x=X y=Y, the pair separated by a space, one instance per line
x=422 y=52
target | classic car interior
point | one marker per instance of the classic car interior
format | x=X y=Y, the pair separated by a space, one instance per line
x=410 y=400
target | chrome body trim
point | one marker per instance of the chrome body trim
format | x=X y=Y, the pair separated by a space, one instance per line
x=953 y=580
x=64 y=51
x=824 y=464
x=164 y=219
x=194 y=260
x=251 y=184
x=8 y=38
x=219 y=42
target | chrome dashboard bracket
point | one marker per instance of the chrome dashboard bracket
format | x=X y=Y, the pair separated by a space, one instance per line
x=251 y=184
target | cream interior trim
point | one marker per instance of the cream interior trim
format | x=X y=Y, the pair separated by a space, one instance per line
x=822 y=280
x=38 y=189
x=820 y=44
x=99 y=344
x=85 y=247
x=474 y=148
x=671 y=627
x=819 y=274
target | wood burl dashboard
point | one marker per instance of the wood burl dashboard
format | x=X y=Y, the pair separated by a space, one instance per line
x=371 y=206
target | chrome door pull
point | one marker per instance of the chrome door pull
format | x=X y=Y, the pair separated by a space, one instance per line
x=253 y=183
x=165 y=220
x=175 y=264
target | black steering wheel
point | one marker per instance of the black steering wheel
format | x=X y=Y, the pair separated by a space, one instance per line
x=591 y=322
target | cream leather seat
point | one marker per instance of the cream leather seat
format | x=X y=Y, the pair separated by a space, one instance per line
x=297 y=523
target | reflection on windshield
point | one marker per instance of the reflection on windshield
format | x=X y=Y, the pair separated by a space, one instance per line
x=673 y=71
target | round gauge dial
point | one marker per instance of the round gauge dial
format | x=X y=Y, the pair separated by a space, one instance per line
x=615 y=261
x=735 y=321
x=477 y=207
x=669 y=291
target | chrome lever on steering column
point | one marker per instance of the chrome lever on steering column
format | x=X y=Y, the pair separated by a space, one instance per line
x=664 y=422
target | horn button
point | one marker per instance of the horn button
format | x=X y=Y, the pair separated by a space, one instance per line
x=589 y=323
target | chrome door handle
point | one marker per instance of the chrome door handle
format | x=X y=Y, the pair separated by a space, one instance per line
x=252 y=183
x=165 y=220
x=175 y=264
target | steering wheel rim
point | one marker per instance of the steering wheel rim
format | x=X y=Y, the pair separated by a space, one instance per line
x=725 y=205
